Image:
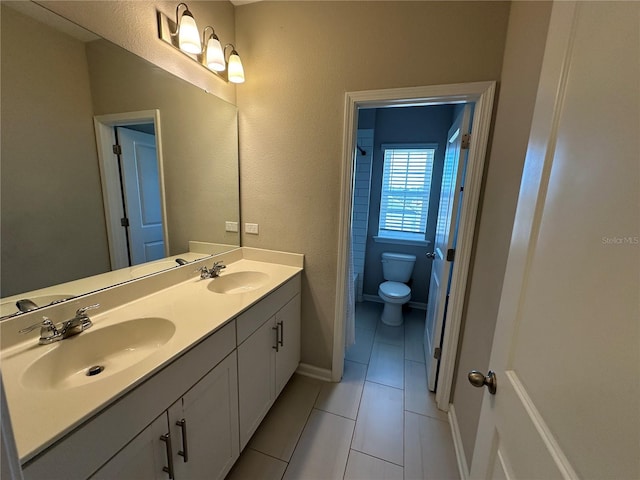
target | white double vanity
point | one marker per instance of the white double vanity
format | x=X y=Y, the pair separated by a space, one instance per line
x=172 y=379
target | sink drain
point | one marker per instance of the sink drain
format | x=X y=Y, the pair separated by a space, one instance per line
x=94 y=370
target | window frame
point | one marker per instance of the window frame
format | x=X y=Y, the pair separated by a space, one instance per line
x=398 y=236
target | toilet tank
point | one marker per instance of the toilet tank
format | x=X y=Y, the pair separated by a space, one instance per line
x=397 y=267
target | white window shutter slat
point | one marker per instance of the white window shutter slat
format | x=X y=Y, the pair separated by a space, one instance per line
x=406 y=182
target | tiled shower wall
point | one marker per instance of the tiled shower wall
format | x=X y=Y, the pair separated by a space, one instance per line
x=361 y=190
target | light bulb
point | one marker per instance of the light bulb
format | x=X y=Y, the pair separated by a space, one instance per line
x=215 y=57
x=188 y=35
x=236 y=72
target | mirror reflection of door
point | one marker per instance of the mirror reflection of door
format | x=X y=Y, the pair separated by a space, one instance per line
x=141 y=195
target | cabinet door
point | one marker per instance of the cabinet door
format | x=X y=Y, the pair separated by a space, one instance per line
x=288 y=356
x=256 y=373
x=204 y=425
x=144 y=457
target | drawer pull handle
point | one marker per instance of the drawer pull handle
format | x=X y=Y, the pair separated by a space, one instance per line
x=277 y=345
x=281 y=341
x=167 y=440
x=184 y=453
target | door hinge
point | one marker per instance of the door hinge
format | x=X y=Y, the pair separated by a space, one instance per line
x=117 y=149
x=451 y=254
x=124 y=222
x=437 y=353
x=466 y=140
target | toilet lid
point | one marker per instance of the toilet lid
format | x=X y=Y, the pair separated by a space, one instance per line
x=395 y=289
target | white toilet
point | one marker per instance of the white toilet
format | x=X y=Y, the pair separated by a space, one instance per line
x=396 y=269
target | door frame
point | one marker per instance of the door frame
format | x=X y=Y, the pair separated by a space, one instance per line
x=482 y=94
x=110 y=179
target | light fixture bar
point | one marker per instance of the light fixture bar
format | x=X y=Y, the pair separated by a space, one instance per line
x=166 y=31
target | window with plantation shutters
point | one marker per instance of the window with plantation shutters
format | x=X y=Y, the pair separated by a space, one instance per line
x=406 y=183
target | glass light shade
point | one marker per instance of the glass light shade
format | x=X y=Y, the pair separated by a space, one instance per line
x=188 y=35
x=215 y=57
x=236 y=72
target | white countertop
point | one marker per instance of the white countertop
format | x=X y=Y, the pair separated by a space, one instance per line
x=44 y=296
x=42 y=416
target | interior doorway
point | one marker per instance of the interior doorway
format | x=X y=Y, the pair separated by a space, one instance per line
x=130 y=157
x=481 y=95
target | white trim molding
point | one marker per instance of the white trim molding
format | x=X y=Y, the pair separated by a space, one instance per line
x=314 y=372
x=482 y=95
x=110 y=179
x=463 y=468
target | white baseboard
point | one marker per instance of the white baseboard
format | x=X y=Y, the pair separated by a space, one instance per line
x=372 y=298
x=375 y=298
x=314 y=372
x=457 y=443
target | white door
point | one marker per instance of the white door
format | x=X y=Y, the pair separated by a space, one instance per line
x=142 y=195
x=566 y=350
x=444 y=240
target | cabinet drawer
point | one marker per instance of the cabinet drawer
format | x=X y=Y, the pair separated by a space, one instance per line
x=249 y=321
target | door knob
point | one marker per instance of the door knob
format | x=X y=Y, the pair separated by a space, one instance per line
x=431 y=255
x=478 y=379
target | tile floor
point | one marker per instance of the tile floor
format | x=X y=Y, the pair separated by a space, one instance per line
x=380 y=422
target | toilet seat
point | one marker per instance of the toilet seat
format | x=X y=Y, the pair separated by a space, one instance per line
x=394 y=290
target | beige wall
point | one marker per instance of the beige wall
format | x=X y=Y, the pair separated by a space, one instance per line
x=301 y=58
x=51 y=232
x=526 y=35
x=133 y=25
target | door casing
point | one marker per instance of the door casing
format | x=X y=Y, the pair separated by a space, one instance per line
x=480 y=93
x=110 y=179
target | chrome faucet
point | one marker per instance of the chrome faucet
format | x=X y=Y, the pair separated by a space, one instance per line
x=212 y=272
x=25 y=305
x=49 y=332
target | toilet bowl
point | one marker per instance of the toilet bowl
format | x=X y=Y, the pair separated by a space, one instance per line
x=396 y=269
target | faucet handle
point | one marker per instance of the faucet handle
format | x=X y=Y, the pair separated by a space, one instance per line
x=45 y=323
x=204 y=272
x=48 y=331
x=81 y=311
x=217 y=266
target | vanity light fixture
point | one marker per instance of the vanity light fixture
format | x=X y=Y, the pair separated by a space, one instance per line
x=183 y=35
x=187 y=31
x=234 y=64
x=213 y=54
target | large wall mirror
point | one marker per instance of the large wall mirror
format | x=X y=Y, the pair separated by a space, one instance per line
x=66 y=94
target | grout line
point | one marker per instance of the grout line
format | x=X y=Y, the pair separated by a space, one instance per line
x=355 y=424
x=265 y=454
x=428 y=416
x=355 y=361
x=306 y=422
x=336 y=414
x=385 y=385
x=373 y=456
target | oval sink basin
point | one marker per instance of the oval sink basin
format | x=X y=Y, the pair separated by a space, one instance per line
x=94 y=355
x=238 y=282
